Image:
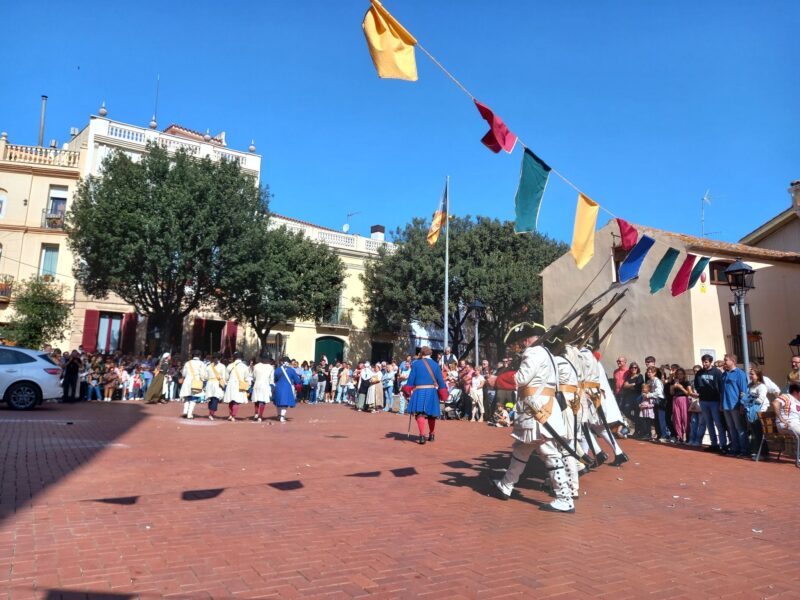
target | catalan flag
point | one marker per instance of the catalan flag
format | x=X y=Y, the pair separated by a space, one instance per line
x=390 y=45
x=439 y=219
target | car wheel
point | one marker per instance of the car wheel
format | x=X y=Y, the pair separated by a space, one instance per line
x=23 y=396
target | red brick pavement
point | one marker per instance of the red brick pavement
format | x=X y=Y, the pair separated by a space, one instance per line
x=129 y=501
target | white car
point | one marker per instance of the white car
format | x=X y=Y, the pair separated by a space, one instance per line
x=27 y=377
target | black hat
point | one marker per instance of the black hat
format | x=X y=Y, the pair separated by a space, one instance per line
x=522 y=331
x=553 y=343
x=196 y=353
x=237 y=355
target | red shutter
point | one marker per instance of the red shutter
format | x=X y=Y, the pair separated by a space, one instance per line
x=91 y=323
x=129 y=322
x=198 y=332
x=231 y=328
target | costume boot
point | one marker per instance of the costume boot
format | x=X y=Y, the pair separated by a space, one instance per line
x=558 y=479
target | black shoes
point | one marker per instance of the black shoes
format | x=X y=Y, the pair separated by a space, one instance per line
x=600 y=458
x=421 y=440
x=711 y=449
x=431 y=437
x=619 y=460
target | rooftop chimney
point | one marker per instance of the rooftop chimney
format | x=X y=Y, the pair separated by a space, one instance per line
x=41 y=121
x=794 y=192
x=377 y=232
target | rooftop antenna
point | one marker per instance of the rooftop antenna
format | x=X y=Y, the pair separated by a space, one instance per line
x=705 y=200
x=346 y=226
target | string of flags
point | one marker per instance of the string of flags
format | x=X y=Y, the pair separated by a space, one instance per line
x=392 y=49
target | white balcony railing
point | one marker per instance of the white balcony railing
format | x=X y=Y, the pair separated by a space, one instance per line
x=38 y=155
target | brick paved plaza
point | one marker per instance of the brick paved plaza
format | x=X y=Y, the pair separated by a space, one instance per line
x=127 y=501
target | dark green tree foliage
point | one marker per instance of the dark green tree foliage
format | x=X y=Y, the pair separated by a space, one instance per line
x=284 y=277
x=160 y=232
x=40 y=313
x=487 y=261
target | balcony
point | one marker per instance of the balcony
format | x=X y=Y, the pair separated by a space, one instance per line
x=341 y=318
x=755 y=346
x=52 y=220
x=6 y=288
x=39 y=155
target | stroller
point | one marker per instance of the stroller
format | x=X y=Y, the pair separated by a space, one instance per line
x=452 y=409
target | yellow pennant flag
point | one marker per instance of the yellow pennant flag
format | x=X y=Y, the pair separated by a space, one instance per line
x=390 y=45
x=583 y=235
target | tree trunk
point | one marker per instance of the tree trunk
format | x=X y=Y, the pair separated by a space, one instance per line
x=164 y=333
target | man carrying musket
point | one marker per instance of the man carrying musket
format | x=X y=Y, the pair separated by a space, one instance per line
x=537 y=420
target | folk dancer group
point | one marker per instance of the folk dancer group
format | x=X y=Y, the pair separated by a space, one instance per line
x=236 y=385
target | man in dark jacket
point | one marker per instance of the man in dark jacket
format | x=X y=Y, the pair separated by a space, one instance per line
x=708 y=386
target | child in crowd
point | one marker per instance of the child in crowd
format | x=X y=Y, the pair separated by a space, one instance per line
x=501 y=417
x=137 y=383
x=646 y=415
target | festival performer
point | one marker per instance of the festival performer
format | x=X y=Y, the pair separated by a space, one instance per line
x=263 y=378
x=426 y=388
x=601 y=397
x=286 y=378
x=537 y=419
x=194 y=380
x=215 y=386
x=156 y=388
x=571 y=412
x=238 y=382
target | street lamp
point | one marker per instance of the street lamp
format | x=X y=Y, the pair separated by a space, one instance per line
x=795 y=345
x=740 y=280
x=478 y=309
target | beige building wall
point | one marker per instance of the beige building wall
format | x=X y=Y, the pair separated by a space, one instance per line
x=29 y=176
x=679 y=329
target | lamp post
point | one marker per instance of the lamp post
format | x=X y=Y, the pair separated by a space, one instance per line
x=740 y=280
x=478 y=308
x=794 y=345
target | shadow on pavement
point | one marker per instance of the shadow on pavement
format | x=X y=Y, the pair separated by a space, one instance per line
x=75 y=595
x=41 y=447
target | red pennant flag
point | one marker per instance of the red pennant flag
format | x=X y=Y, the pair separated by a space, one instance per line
x=499 y=136
x=681 y=282
x=628 y=234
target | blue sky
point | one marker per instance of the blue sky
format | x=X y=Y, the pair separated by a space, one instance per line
x=644 y=105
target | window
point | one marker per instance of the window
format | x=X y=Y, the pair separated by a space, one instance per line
x=48 y=264
x=619 y=254
x=57 y=202
x=3 y=202
x=109 y=332
x=12 y=357
x=716 y=270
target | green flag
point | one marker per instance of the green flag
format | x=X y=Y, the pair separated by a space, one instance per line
x=698 y=270
x=659 y=278
x=532 y=182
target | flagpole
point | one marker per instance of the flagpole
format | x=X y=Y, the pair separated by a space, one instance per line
x=446 y=257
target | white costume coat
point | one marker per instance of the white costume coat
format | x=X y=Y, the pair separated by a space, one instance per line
x=195 y=368
x=237 y=372
x=263 y=377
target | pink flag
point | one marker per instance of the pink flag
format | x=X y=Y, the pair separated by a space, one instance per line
x=681 y=282
x=628 y=233
x=499 y=136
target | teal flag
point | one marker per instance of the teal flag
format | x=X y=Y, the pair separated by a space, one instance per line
x=532 y=182
x=698 y=270
x=659 y=278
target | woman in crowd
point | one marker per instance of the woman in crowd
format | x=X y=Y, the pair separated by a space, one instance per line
x=681 y=391
x=655 y=395
x=110 y=380
x=286 y=378
x=476 y=393
x=697 y=423
x=755 y=403
x=263 y=379
x=215 y=386
x=631 y=396
x=375 y=390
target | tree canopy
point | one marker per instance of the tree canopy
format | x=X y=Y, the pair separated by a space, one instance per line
x=285 y=277
x=41 y=313
x=161 y=231
x=488 y=261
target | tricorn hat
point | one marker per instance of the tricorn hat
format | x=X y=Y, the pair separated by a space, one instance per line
x=522 y=331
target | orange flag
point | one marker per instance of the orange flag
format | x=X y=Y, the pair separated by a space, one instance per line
x=391 y=46
x=439 y=219
x=583 y=235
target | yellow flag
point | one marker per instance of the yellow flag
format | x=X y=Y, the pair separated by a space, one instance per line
x=390 y=45
x=439 y=219
x=583 y=235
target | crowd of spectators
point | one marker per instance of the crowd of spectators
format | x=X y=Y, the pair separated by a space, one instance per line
x=671 y=404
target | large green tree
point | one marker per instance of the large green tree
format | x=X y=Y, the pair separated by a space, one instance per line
x=41 y=313
x=161 y=231
x=285 y=277
x=488 y=261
